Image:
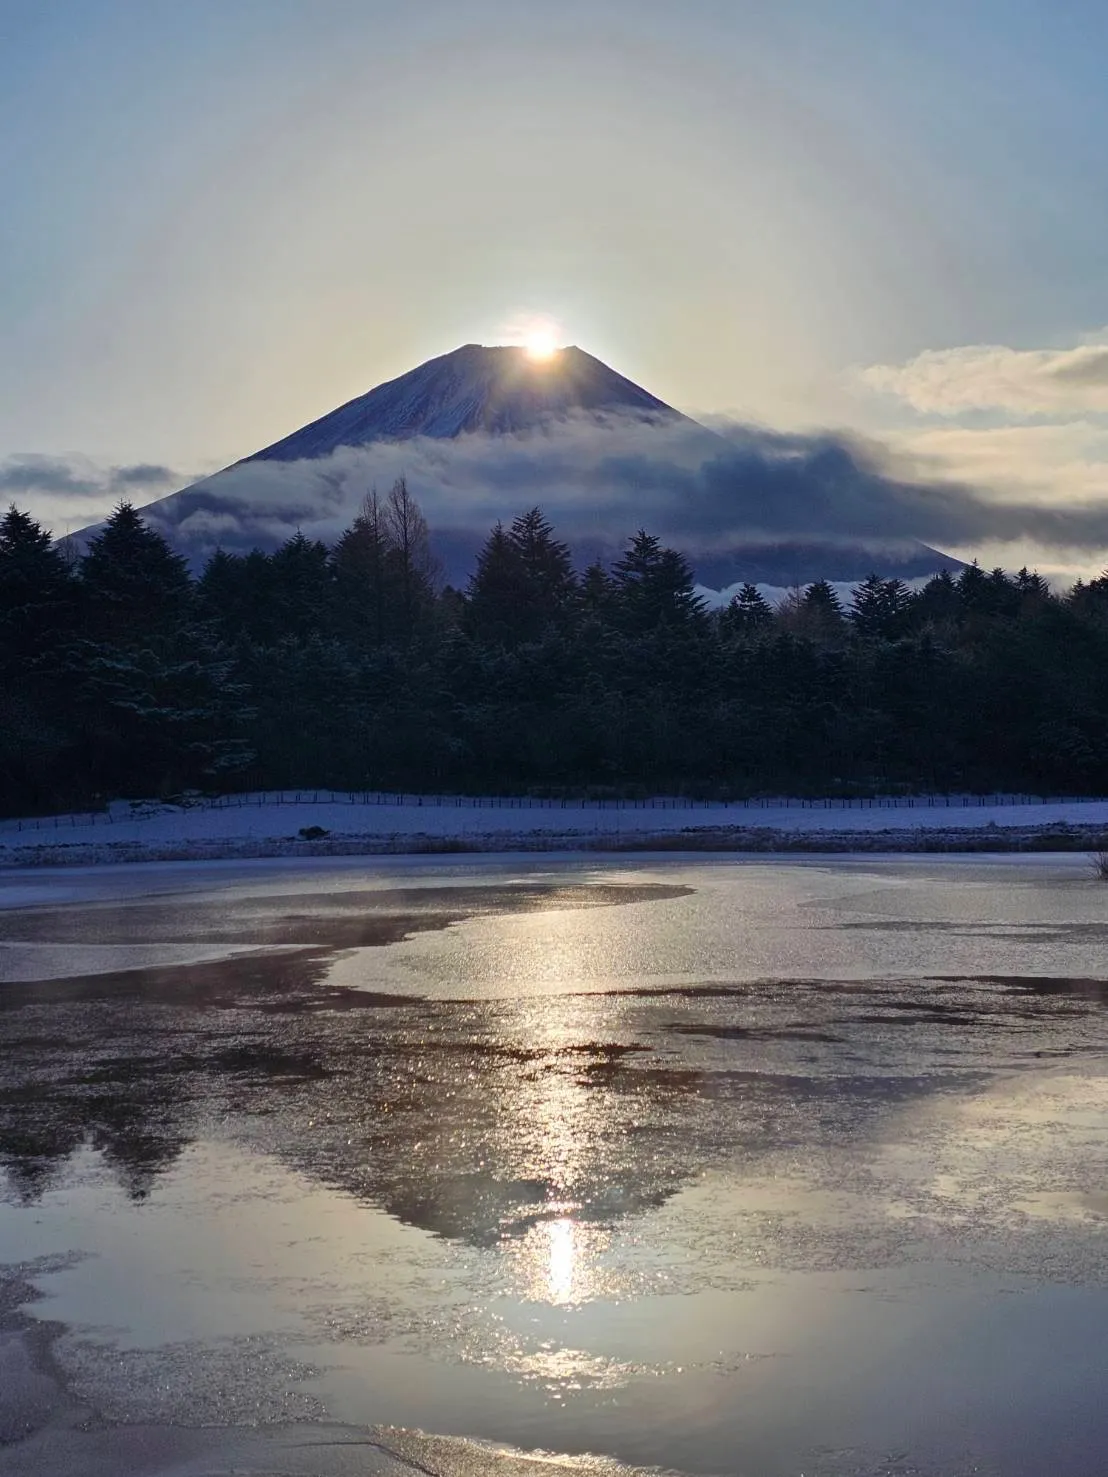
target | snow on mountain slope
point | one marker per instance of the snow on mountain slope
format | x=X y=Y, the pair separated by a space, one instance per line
x=498 y=390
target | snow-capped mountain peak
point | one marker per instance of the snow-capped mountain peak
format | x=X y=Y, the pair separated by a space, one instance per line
x=474 y=388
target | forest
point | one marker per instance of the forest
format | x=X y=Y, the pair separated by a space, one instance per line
x=123 y=673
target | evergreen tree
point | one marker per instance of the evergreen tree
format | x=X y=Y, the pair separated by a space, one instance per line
x=880 y=608
x=36 y=628
x=36 y=592
x=821 y=613
x=365 y=576
x=155 y=704
x=748 y=613
x=300 y=571
x=497 y=590
x=342 y=667
x=653 y=587
x=1032 y=589
x=1090 y=600
x=548 y=587
x=973 y=591
x=596 y=591
x=1004 y=595
x=227 y=598
x=134 y=584
x=938 y=604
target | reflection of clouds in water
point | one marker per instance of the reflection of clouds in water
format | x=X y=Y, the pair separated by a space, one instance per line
x=995 y=1154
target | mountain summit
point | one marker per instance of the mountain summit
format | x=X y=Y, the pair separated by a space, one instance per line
x=474 y=388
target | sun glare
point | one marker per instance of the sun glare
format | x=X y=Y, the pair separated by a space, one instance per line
x=540 y=344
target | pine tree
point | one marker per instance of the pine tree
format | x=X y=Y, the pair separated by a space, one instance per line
x=812 y=612
x=938 y=603
x=880 y=608
x=1032 y=590
x=973 y=590
x=748 y=613
x=133 y=582
x=364 y=572
x=36 y=592
x=224 y=597
x=497 y=590
x=154 y=699
x=653 y=587
x=37 y=612
x=550 y=587
x=524 y=584
x=1003 y=594
x=596 y=591
x=300 y=572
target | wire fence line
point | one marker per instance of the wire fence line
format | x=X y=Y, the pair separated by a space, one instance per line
x=122 y=811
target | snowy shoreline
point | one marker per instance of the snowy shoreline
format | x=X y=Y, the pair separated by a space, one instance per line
x=243 y=827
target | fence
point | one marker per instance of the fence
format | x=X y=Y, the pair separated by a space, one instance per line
x=136 y=810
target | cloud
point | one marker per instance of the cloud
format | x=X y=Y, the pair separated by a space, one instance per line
x=56 y=489
x=1056 y=383
x=1062 y=464
x=735 y=498
x=142 y=474
x=1027 y=429
x=709 y=492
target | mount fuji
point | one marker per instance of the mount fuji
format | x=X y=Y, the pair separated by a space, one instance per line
x=500 y=391
x=483 y=433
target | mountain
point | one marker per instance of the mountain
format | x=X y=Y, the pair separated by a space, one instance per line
x=484 y=433
x=497 y=390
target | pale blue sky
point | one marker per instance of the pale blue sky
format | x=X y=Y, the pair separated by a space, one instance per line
x=219 y=219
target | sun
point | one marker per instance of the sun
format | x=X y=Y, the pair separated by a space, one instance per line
x=540 y=344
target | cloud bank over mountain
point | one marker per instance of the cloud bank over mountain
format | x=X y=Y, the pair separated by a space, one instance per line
x=599 y=481
x=705 y=491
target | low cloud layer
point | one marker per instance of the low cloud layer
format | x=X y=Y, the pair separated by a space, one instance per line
x=705 y=491
x=62 y=489
x=711 y=492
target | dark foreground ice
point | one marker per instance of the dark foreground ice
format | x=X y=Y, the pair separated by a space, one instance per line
x=739 y=1168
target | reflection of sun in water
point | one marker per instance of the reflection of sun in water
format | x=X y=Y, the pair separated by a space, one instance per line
x=562 y=1266
x=556 y=1126
x=560 y=1261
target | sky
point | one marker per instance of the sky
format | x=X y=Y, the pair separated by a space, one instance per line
x=876 y=218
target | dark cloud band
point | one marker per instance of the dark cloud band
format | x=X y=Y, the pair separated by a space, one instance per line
x=705 y=490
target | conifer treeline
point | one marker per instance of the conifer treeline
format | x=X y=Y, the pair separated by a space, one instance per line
x=349 y=667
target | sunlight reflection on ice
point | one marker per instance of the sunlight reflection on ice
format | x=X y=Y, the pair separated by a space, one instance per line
x=562 y=1262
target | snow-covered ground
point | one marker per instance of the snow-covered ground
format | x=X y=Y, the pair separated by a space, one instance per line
x=273 y=825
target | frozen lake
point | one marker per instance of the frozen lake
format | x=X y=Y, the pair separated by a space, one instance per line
x=729 y=1167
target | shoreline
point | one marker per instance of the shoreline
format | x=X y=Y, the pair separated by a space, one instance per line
x=1053 y=836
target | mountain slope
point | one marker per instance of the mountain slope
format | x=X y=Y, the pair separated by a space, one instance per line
x=496 y=390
